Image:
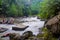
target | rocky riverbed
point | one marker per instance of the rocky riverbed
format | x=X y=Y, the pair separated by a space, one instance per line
x=33 y=23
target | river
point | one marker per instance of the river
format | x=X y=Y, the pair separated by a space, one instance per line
x=33 y=23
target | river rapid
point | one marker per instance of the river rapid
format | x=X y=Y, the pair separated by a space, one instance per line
x=33 y=23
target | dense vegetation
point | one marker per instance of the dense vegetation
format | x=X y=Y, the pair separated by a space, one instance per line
x=19 y=7
x=49 y=8
x=42 y=8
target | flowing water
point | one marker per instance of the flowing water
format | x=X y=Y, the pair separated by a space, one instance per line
x=33 y=23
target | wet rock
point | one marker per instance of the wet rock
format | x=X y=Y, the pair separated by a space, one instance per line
x=6 y=20
x=27 y=34
x=3 y=20
x=38 y=17
x=19 y=29
x=12 y=36
x=11 y=20
x=3 y=30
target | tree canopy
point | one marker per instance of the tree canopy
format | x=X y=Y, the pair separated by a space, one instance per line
x=42 y=8
x=19 y=7
x=49 y=8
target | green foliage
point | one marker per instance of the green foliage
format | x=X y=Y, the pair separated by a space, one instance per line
x=15 y=7
x=13 y=10
x=45 y=9
x=46 y=35
x=48 y=8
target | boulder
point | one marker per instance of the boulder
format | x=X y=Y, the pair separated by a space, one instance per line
x=1 y=21
x=19 y=28
x=53 y=25
x=12 y=36
x=26 y=35
x=3 y=30
x=34 y=38
x=4 y=21
x=7 y=20
x=11 y=20
x=53 y=20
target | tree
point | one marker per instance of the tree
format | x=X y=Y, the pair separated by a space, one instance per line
x=49 y=8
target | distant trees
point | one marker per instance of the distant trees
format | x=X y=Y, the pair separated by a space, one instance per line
x=18 y=8
x=45 y=8
x=0 y=6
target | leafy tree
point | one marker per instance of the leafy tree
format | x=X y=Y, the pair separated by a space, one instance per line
x=49 y=8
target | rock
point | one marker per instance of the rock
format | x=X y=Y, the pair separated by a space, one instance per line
x=11 y=20
x=3 y=20
x=38 y=17
x=7 y=20
x=3 y=30
x=19 y=28
x=53 y=25
x=12 y=36
x=27 y=34
x=0 y=20
x=52 y=20
x=33 y=38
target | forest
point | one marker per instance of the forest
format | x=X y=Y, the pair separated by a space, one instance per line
x=41 y=8
x=19 y=7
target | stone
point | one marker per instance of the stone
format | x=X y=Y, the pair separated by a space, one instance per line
x=3 y=30
x=27 y=34
x=12 y=36
x=33 y=38
x=11 y=20
x=4 y=21
x=52 y=20
x=19 y=28
x=53 y=25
